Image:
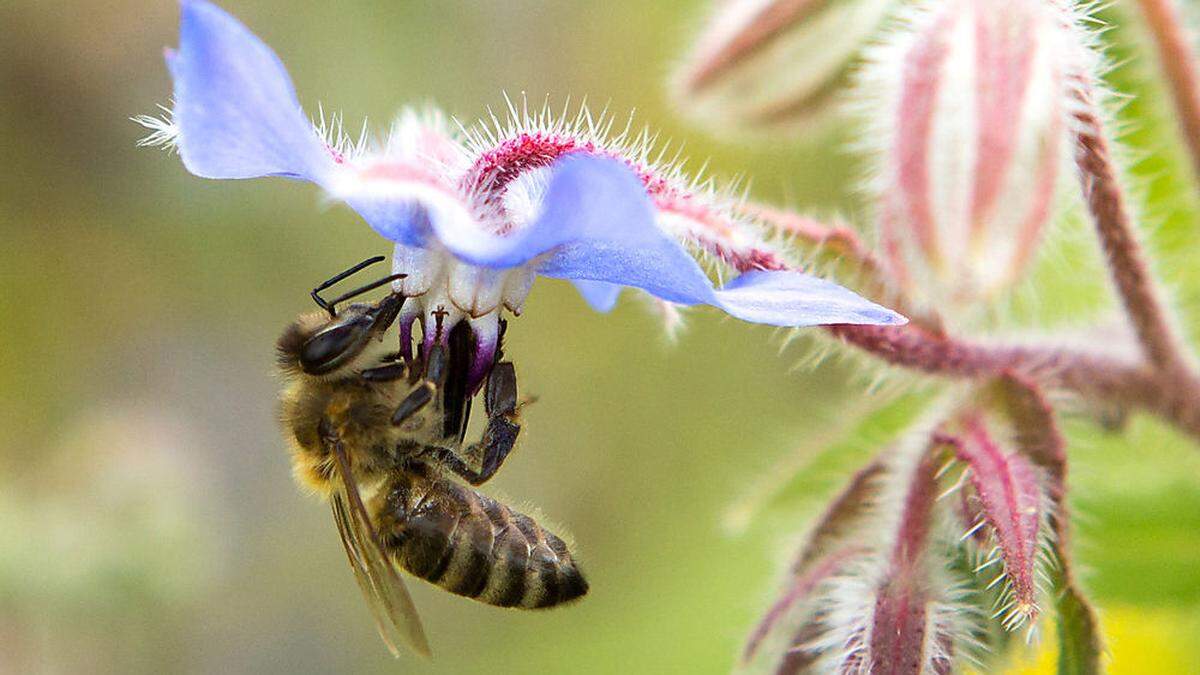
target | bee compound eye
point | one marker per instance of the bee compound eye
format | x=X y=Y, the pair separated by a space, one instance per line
x=329 y=348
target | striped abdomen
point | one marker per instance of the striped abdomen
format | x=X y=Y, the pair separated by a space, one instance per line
x=472 y=545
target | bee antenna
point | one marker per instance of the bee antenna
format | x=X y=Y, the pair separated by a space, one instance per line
x=316 y=292
x=360 y=290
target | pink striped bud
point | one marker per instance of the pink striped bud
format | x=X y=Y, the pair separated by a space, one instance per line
x=1009 y=494
x=900 y=636
x=833 y=545
x=767 y=63
x=897 y=614
x=972 y=115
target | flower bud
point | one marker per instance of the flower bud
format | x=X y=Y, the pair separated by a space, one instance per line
x=971 y=108
x=1009 y=494
x=898 y=612
x=770 y=63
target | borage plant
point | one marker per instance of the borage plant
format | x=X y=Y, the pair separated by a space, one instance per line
x=976 y=116
x=978 y=113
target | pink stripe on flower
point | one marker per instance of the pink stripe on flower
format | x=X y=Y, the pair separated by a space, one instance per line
x=1004 y=54
x=914 y=129
x=712 y=227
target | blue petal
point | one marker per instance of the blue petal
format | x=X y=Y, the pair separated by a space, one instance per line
x=408 y=219
x=596 y=224
x=782 y=298
x=597 y=219
x=235 y=107
x=600 y=295
x=617 y=241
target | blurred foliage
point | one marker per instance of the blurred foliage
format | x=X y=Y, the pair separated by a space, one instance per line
x=148 y=517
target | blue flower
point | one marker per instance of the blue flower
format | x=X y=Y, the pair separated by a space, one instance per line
x=476 y=215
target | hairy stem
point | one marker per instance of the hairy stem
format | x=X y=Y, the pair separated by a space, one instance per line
x=1172 y=392
x=1178 y=62
x=1126 y=260
x=1104 y=379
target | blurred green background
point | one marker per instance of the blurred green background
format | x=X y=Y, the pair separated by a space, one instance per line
x=148 y=520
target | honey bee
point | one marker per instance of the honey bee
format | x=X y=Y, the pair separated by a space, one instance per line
x=371 y=435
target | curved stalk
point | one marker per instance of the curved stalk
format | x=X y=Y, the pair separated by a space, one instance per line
x=1178 y=62
x=1107 y=206
x=1104 y=379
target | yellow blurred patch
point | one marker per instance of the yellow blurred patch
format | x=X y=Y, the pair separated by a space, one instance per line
x=1140 y=641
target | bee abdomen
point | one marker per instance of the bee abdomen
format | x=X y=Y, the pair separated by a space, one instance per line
x=532 y=567
x=474 y=546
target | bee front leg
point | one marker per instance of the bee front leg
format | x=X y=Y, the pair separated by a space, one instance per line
x=418 y=398
x=388 y=372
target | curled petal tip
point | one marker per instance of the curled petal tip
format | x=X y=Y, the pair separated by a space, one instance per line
x=795 y=299
x=237 y=112
x=599 y=295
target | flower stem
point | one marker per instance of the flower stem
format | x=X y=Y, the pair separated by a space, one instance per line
x=1166 y=387
x=1105 y=379
x=1169 y=392
x=1126 y=260
x=1178 y=62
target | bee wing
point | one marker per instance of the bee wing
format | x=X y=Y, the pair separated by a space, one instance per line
x=395 y=615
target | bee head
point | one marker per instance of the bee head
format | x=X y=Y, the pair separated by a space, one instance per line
x=320 y=344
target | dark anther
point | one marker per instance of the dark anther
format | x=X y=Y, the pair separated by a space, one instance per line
x=460 y=351
x=500 y=339
x=435 y=368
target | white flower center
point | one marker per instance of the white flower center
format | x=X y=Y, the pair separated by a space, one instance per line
x=440 y=282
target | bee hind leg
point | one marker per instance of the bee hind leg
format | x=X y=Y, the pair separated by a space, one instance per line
x=503 y=427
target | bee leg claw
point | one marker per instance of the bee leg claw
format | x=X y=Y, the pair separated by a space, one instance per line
x=499 y=439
